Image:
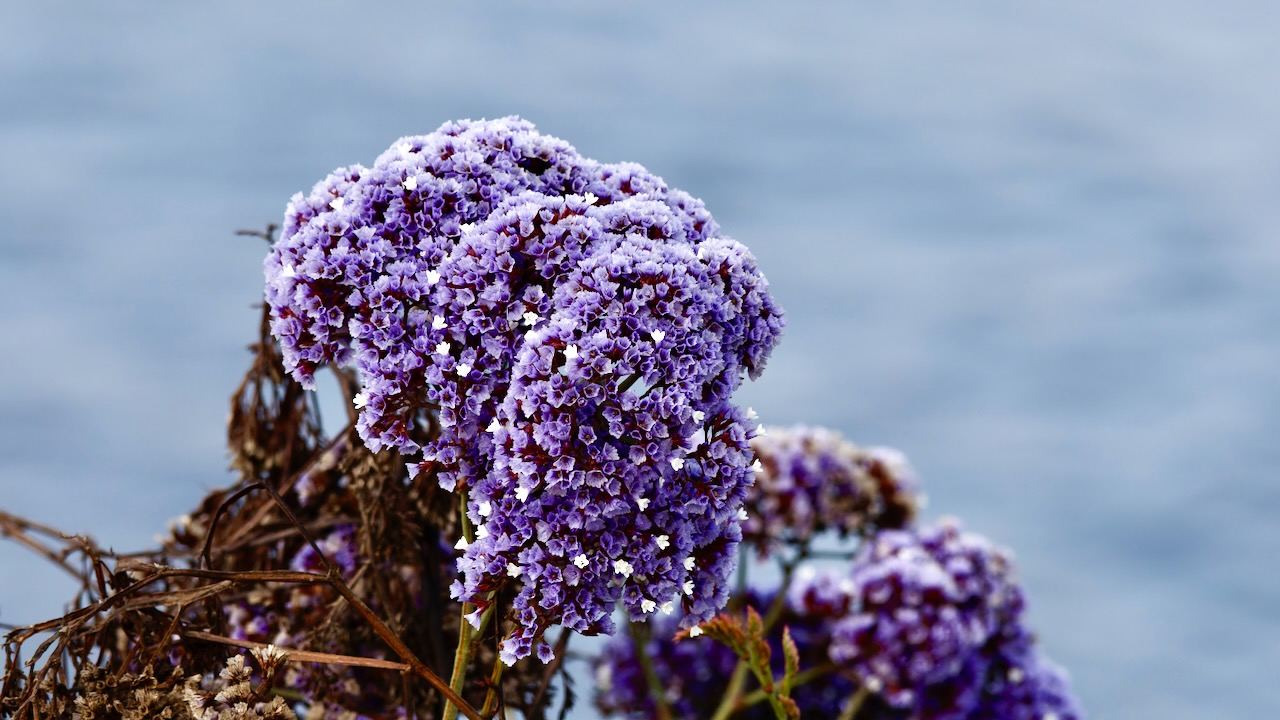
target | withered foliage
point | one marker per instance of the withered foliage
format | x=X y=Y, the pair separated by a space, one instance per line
x=159 y=634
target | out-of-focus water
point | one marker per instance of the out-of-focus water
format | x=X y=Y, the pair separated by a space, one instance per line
x=1034 y=247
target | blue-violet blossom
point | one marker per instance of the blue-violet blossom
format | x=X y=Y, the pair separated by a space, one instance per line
x=559 y=336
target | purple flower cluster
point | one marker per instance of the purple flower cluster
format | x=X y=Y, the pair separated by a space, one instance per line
x=935 y=632
x=930 y=623
x=558 y=335
x=811 y=480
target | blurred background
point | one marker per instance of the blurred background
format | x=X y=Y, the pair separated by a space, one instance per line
x=1034 y=247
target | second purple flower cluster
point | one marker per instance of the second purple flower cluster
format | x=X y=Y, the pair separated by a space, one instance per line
x=923 y=623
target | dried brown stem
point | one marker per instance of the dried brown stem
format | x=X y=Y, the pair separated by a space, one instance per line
x=18 y=529
x=303 y=655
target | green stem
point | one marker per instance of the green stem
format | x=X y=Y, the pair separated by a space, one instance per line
x=462 y=654
x=741 y=594
x=640 y=639
x=495 y=687
x=729 y=702
x=805 y=676
x=855 y=704
x=779 y=602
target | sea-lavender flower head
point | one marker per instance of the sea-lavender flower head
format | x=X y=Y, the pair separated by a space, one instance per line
x=810 y=480
x=924 y=605
x=562 y=337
